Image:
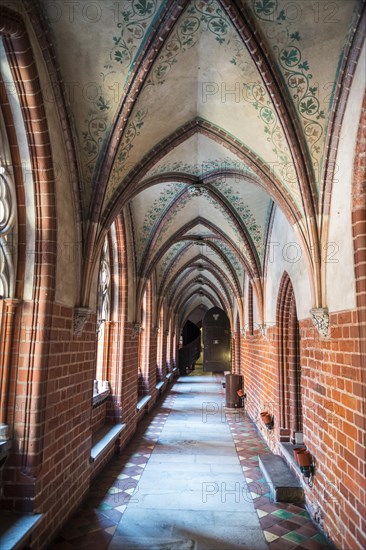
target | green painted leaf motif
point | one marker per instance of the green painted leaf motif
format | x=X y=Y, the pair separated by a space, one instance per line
x=309 y=106
x=267 y=115
x=304 y=65
x=281 y=16
x=266 y=7
x=219 y=27
x=102 y=104
x=143 y=7
x=120 y=56
x=290 y=57
x=127 y=15
x=189 y=26
x=295 y=36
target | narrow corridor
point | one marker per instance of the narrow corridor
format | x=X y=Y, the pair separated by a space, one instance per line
x=189 y=480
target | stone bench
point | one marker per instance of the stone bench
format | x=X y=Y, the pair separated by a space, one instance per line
x=284 y=486
x=16 y=529
x=103 y=438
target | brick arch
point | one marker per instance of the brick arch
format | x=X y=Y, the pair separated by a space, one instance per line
x=180 y=235
x=266 y=179
x=209 y=265
x=38 y=312
x=247 y=242
x=289 y=379
x=235 y=346
x=173 y=290
x=176 y=301
x=359 y=237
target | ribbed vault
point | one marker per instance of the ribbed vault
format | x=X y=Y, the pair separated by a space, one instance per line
x=204 y=114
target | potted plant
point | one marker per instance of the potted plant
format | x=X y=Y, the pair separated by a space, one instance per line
x=297 y=452
x=304 y=458
x=267 y=419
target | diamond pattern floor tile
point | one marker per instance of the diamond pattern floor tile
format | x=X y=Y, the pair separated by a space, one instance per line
x=285 y=526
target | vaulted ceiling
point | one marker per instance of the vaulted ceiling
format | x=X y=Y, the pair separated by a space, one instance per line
x=194 y=118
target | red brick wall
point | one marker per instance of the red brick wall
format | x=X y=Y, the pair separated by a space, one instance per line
x=98 y=416
x=259 y=366
x=334 y=427
x=129 y=377
x=64 y=440
x=333 y=394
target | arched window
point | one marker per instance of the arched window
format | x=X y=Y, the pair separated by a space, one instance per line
x=160 y=344
x=250 y=310
x=8 y=265
x=8 y=224
x=103 y=316
x=143 y=373
x=289 y=362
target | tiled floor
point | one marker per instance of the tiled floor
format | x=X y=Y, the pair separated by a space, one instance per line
x=180 y=485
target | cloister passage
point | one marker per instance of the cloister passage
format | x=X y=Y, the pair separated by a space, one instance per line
x=161 y=160
x=189 y=480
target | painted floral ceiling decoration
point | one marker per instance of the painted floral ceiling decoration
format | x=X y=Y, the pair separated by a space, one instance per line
x=194 y=118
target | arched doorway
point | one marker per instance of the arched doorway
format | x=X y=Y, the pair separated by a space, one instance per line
x=289 y=362
x=216 y=341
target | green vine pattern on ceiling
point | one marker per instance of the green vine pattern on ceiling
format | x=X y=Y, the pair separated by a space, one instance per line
x=173 y=212
x=268 y=10
x=132 y=131
x=298 y=78
x=229 y=254
x=256 y=94
x=175 y=250
x=202 y=169
x=152 y=216
x=254 y=229
x=242 y=209
x=203 y=15
x=93 y=136
x=296 y=71
x=208 y=16
x=220 y=208
x=184 y=201
x=134 y=18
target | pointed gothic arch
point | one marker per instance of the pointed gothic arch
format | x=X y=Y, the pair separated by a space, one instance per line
x=289 y=366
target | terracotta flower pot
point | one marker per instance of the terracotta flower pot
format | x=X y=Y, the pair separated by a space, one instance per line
x=304 y=458
x=298 y=451
x=266 y=418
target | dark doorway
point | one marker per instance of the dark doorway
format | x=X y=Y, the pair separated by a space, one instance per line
x=216 y=341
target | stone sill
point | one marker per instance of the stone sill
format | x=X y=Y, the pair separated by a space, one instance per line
x=5 y=446
x=103 y=438
x=98 y=398
x=16 y=528
x=160 y=385
x=144 y=401
x=169 y=375
x=287 y=453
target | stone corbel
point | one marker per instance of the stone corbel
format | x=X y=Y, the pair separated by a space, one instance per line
x=80 y=318
x=136 y=328
x=156 y=330
x=263 y=329
x=320 y=317
x=167 y=333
